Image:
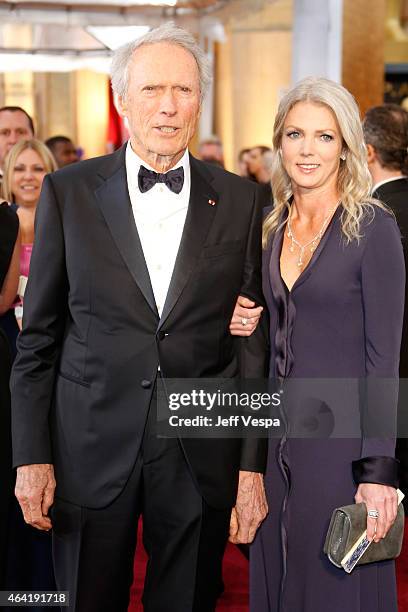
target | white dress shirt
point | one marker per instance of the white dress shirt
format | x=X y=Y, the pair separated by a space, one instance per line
x=160 y=215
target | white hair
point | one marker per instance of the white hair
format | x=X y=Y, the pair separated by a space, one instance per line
x=169 y=33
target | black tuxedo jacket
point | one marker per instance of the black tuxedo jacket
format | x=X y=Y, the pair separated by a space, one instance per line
x=93 y=340
x=395 y=195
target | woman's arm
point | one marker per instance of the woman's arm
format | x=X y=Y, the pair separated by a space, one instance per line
x=9 y=289
x=383 y=283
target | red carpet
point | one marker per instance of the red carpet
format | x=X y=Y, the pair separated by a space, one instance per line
x=235 y=575
x=402 y=574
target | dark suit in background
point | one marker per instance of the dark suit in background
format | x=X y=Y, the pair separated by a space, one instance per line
x=8 y=237
x=395 y=194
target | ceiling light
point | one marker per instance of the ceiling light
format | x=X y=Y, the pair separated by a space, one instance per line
x=116 y=36
x=157 y=2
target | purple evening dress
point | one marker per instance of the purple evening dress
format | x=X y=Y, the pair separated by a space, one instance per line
x=342 y=320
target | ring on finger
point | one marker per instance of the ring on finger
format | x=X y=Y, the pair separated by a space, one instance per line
x=374 y=514
x=244 y=321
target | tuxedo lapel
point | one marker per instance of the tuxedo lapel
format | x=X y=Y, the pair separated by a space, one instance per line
x=200 y=215
x=114 y=202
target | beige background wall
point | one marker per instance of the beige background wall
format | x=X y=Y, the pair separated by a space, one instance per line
x=92 y=111
x=363 y=50
x=18 y=87
x=396 y=42
x=252 y=70
x=55 y=101
x=74 y=104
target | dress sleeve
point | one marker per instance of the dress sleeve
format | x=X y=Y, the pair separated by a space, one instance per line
x=383 y=288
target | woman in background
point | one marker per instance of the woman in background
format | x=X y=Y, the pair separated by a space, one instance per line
x=25 y=167
x=333 y=279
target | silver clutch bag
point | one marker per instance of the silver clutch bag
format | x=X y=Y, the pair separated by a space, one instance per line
x=347 y=525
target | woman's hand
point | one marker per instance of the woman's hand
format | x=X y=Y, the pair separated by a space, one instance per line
x=245 y=317
x=383 y=499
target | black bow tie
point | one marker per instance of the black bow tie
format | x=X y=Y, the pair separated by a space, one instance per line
x=173 y=179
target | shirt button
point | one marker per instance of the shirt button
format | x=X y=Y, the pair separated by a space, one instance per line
x=158 y=267
x=161 y=189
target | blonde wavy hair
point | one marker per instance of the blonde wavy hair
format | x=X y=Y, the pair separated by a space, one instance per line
x=10 y=162
x=354 y=180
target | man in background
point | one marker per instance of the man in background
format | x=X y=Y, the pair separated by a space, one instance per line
x=211 y=151
x=15 y=124
x=257 y=166
x=63 y=150
x=243 y=160
x=386 y=135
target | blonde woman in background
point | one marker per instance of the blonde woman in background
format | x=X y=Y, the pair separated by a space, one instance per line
x=25 y=167
x=333 y=280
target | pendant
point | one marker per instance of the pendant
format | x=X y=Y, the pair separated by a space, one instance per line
x=300 y=260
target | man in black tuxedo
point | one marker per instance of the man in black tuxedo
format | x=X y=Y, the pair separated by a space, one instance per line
x=138 y=262
x=386 y=136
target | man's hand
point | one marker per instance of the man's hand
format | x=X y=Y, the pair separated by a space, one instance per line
x=245 y=317
x=250 y=509
x=383 y=499
x=34 y=490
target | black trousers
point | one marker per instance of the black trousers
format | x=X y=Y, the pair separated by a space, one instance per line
x=183 y=537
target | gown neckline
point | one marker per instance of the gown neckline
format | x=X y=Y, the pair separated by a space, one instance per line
x=315 y=254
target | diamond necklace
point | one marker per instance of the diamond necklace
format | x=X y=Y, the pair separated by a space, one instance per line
x=312 y=243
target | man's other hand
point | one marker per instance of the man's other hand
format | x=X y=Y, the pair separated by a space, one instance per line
x=35 y=486
x=250 y=509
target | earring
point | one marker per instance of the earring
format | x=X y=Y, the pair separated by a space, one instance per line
x=343 y=156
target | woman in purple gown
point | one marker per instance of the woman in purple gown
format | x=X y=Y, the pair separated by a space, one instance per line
x=333 y=277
